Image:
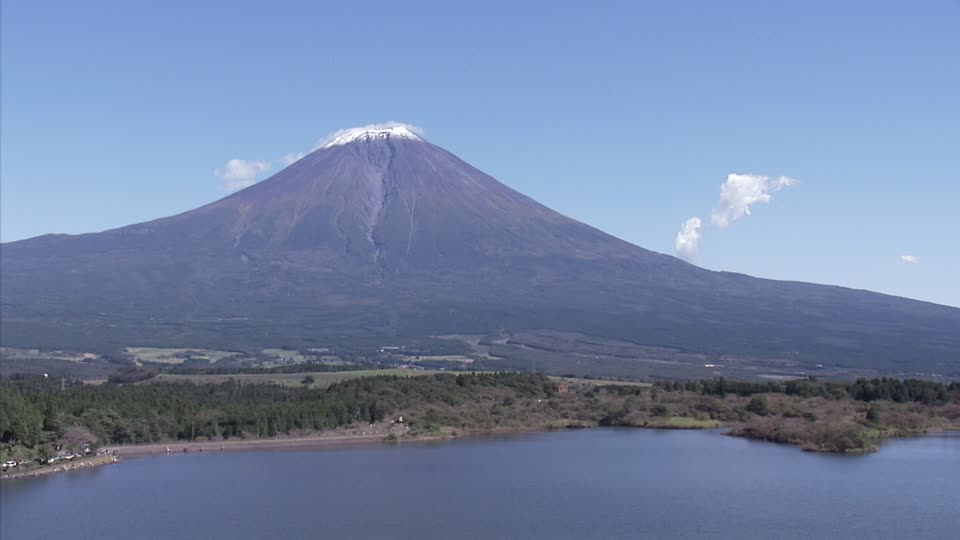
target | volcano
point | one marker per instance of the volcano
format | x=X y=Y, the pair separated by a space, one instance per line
x=381 y=235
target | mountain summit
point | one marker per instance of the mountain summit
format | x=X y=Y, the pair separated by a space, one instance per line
x=369 y=133
x=379 y=234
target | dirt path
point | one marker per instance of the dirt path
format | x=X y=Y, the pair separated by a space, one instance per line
x=80 y=463
x=314 y=441
x=114 y=453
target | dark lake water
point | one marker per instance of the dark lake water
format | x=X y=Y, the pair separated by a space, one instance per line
x=603 y=483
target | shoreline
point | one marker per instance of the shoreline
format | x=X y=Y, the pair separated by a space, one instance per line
x=81 y=463
x=186 y=447
x=116 y=452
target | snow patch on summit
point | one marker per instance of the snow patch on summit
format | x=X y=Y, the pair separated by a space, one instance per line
x=373 y=132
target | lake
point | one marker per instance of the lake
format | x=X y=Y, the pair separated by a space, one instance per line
x=598 y=483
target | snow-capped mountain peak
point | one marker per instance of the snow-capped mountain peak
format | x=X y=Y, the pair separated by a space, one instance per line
x=372 y=132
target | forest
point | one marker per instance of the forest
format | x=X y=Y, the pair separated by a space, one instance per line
x=37 y=412
x=40 y=417
x=885 y=388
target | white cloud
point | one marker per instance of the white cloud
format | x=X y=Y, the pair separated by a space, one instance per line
x=688 y=238
x=740 y=191
x=291 y=158
x=910 y=259
x=241 y=173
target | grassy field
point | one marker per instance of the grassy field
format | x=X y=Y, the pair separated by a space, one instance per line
x=599 y=382
x=13 y=353
x=169 y=355
x=471 y=339
x=294 y=356
x=440 y=358
x=681 y=422
x=322 y=379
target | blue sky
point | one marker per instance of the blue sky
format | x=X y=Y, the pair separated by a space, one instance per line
x=626 y=115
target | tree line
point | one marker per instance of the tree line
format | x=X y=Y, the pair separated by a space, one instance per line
x=35 y=410
x=884 y=388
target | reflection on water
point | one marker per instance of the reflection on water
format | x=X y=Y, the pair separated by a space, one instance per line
x=603 y=483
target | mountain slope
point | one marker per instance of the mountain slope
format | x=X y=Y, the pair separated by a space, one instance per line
x=381 y=234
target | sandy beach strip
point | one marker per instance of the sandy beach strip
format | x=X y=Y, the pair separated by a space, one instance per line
x=80 y=463
x=315 y=441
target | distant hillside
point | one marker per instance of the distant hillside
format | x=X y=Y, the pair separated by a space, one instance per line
x=382 y=236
